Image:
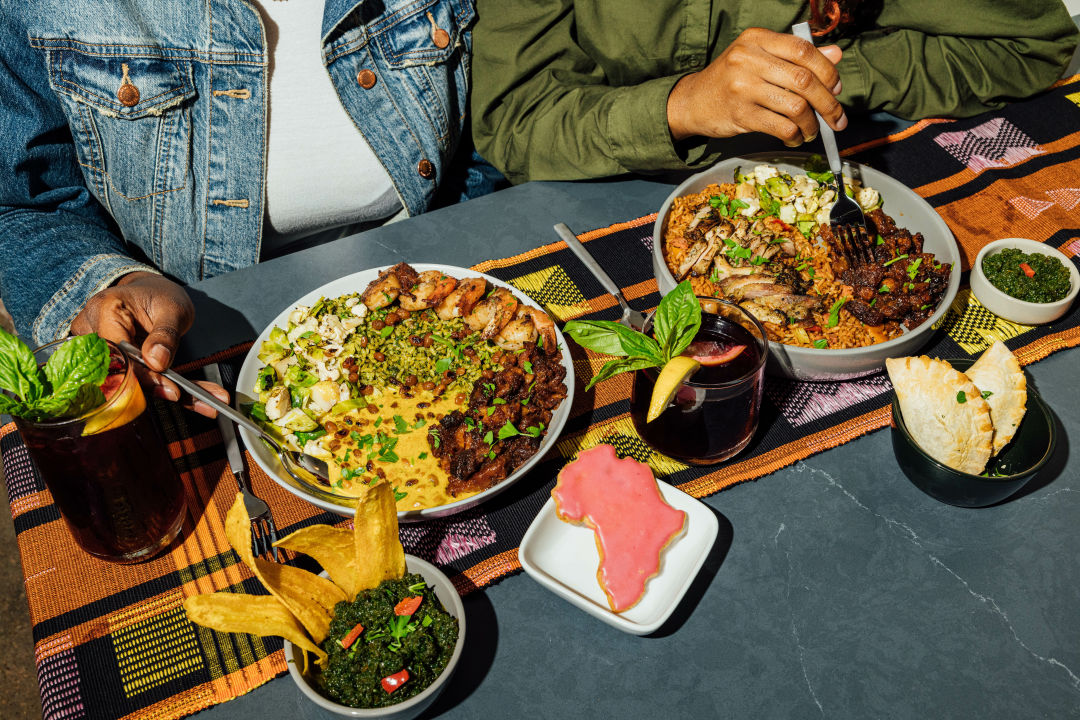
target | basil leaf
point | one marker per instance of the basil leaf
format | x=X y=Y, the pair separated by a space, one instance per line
x=81 y=360
x=640 y=345
x=620 y=365
x=677 y=320
x=18 y=369
x=601 y=336
x=86 y=398
x=13 y=407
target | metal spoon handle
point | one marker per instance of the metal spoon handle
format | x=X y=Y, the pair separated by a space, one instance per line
x=197 y=392
x=828 y=138
x=594 y=267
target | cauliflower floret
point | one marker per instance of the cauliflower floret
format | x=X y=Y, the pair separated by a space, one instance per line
x=805 y=185
x=787 y=213
x=324 y=395
x=330 y=328
x=309 y=324
x=753 y=205
x=299 y=314
x=329 y=372
x=277 y=403
x=343 y=392
x=827 y=199
x=315 y=449
x=822 y=217
x=867 y=197
x=764 y=172
x=806 y=204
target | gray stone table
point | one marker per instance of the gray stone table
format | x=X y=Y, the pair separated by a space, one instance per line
x=836 y=588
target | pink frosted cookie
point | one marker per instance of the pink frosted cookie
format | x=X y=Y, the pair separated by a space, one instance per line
x=620 y=501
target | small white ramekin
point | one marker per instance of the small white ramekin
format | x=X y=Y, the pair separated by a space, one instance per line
x=1021 y=311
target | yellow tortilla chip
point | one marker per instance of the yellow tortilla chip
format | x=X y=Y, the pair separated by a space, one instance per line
x=379 y=555
x=333 y=548
x=309 y=597
x=262 y=615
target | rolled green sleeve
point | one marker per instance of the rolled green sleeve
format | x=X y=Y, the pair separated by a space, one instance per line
x=957 y=60
x=543 y=110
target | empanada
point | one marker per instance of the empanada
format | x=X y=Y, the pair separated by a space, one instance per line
x=954 y=429
x=998 y=373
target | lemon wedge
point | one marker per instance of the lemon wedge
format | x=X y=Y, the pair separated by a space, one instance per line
x=671 y=378
x=120 y=410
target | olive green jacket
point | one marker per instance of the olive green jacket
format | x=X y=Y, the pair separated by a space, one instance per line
x=570 y=89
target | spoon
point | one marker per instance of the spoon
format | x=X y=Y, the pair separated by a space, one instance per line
x=297 y=464
x=631 y=318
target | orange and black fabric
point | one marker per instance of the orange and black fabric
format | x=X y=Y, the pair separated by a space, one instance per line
x=112 y=640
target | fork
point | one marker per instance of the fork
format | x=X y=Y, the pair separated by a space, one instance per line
x=263 y=529
x=631 y=318
x=845 y=211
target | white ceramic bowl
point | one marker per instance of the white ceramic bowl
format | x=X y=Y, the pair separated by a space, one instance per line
x=346 y=506
x=1021 y=311
x=901 y=203
x=444 y=590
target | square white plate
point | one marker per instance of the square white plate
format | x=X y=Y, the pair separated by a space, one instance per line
x=564 y=559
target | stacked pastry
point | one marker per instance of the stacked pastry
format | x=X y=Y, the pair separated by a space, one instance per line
x=961 y=419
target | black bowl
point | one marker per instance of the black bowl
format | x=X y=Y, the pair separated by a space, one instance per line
x=1020 y=461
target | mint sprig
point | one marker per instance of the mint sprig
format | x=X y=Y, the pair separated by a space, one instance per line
x=676 y=322
x=67 y=386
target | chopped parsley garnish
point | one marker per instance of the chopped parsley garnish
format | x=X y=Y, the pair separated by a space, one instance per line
x=821 y=343
x=961 y=397
x=834 y=313
x=913 y=268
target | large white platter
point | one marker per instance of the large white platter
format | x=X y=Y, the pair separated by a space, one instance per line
x=906 y=208
x=356 y=282
x=563 y=558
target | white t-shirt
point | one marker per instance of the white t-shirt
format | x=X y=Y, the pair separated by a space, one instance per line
x=321 y=173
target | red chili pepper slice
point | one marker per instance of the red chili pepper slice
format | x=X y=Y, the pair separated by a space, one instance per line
x=390 y=683
x=347 y=641
x=408 y=605
x=814 y=328
x=1027 y=269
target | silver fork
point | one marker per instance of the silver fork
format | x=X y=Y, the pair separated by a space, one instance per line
x=633 y=319
x=263 y=529
x=845 y=211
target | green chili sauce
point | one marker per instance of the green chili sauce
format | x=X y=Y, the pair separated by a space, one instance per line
x=1049 y=283
x=421 y=644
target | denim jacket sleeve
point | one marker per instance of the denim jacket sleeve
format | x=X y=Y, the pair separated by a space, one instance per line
x=58 y=243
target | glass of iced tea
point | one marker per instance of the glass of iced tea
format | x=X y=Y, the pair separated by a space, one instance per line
x=109 y=471
x=714 y=414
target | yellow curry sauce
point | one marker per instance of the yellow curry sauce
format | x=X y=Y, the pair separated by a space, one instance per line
x=392 y=440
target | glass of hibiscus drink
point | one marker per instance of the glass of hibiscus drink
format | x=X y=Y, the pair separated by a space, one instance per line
x=702 y=406
x=99 y=452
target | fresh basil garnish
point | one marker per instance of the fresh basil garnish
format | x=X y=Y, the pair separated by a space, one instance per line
x=676 y=322
x=68 y=386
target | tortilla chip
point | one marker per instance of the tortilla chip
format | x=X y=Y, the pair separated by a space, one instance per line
x=309 y=597
x=998 y=373
x=333 y=548
x=262 y=615
x=379 y=555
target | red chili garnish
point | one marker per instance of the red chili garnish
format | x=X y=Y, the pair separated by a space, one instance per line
x=1027 y=269
x=814 y=328
x=408 y=605
x=347 y=641
x=390 y=683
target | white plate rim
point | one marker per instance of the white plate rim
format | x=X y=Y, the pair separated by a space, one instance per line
x=697 y=512
x=356 y=282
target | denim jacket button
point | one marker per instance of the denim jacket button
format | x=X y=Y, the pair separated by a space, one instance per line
x=128 y=95
x=441 y=38
x=426 y=169
x=366 y=79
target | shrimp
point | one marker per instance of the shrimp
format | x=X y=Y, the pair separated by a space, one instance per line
x=383 y=290
x=459 y=302
x=491 y=314
x=527 y=325
x=431 y=287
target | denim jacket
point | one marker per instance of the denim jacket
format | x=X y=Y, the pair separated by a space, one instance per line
x=134 y=134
